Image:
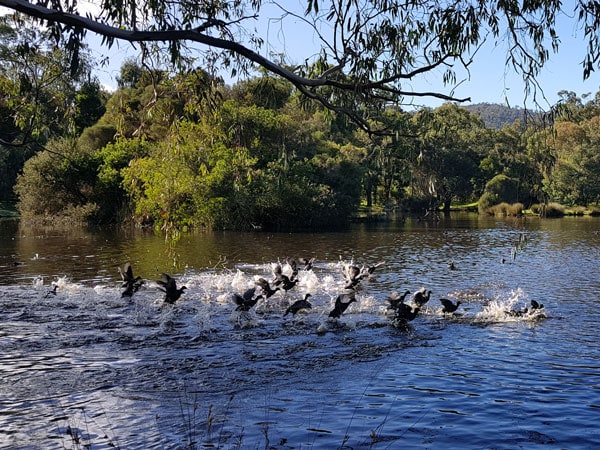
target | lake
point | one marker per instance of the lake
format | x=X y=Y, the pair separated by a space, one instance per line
x=86 y=368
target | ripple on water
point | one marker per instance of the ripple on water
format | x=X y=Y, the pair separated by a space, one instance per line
x=86 y=364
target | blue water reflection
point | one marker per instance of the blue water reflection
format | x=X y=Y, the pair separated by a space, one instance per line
x=86 y=368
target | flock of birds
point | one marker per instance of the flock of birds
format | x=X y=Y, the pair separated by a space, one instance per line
x=399 y=309
x=281 y=281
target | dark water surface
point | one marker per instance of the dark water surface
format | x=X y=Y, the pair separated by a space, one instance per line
x=87 y=369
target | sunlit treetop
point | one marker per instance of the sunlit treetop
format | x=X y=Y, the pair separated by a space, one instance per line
x=369 y=53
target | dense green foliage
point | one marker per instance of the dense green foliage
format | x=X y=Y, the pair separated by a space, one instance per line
x=244 y=166
x=450 y=141
x=39 y=98
x=184 y=150
x=251 y=157
x=576 y=173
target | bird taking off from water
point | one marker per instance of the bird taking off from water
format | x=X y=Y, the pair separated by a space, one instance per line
x=286 y=282
x=266 y=287
x=448 y=306
x=341 y=304
x=51 y=291
x=404 y=313
x=168 y=285
x=352 y=275
x=308 y=263
x=247 y=300
x=396 y=299
x=367 y=271
x=298 y=305
x=536 y=305
x=130 y=283
x=420 y=297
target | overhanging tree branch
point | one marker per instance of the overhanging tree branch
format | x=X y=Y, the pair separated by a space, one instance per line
x=195 y=35
x=305 y=85
x=368 y=48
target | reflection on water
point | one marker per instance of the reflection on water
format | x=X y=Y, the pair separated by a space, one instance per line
x=87 y=368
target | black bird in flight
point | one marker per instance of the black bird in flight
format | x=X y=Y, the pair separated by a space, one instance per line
x=298 y=305
x=308 y=263
x=247 y=300
x=395 y=299
x=449 y=306
x=420 y=297
x=51 y=291
x=286 y=282
x=341 y=304
x=168 y=285
x=404 y=313
x=130 y=283
x=266 y=287
x=352 y=275
x=536 y=305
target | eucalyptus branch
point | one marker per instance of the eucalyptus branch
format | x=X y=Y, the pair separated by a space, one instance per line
x=352 y=114
x=306 y=22
x=368 y=47
x=103 y=29
x=412 y=74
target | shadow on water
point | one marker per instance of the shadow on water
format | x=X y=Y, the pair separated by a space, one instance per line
x=86 y=368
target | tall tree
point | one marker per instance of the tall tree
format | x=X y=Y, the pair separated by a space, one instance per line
x=36 y=89
x=450 y=138
x=576 y=174
x=507 y=155
x=369 y=51
x=39 y=99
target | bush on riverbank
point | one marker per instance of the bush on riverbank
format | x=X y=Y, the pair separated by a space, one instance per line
x=552 y=209
x=506 y=209
x=594 y=211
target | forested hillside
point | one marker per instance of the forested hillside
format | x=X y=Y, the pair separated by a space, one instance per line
x=496 y=116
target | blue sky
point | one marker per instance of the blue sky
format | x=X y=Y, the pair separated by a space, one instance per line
x=490 y=80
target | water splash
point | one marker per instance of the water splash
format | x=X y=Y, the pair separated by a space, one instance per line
x=513 y=306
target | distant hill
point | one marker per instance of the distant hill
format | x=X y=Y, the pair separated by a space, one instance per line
x=495 y=115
